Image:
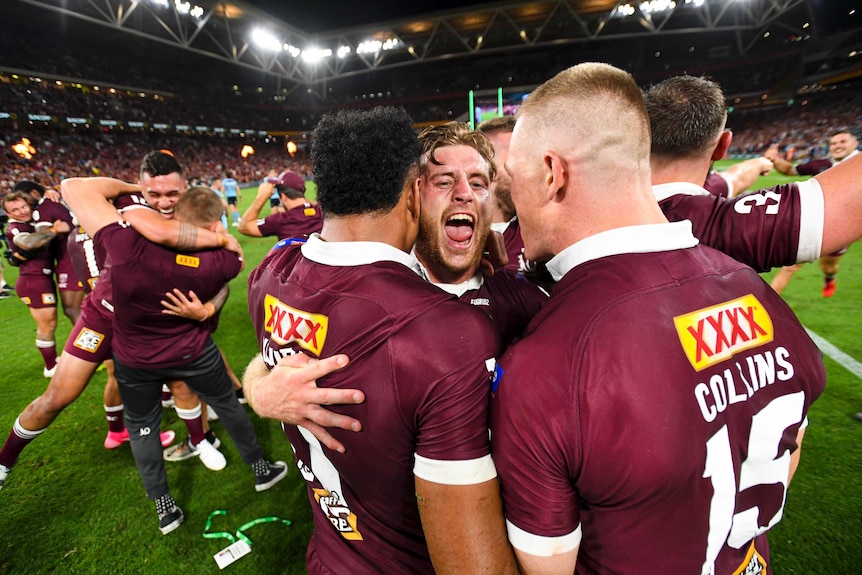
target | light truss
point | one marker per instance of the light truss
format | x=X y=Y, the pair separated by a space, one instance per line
x=224 y=30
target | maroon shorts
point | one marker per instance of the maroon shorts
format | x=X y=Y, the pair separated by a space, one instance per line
x=91 y=337
x=67 y=279
x=37 y=291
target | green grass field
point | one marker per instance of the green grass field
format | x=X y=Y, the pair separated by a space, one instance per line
x=71 y=507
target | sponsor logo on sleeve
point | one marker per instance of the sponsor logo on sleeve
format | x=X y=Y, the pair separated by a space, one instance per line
x=714 y=334
x=290 y=325
x=188 y=261
x=309 y=212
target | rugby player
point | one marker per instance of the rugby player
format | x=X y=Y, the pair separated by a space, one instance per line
x=89 y=343
x=46 y=212
x=298 y=218
x=35 y=261
x=778 y=226
x=151 y=347
x=842 y=146
x=431 y=502
x=658 y=369
x=229 y=188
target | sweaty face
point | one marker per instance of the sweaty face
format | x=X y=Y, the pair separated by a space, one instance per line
x=842 y=145
x=501 y=187
x=19 y=210
x=454 y=218
x=163 y=192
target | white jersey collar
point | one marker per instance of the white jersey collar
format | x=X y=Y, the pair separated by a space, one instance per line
x=647 y=238
x=665 y=191
x=343 y=254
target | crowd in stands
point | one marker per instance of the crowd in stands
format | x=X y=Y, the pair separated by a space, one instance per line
x=60 y=155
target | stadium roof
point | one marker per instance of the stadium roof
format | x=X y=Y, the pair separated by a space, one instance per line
x=244 y=35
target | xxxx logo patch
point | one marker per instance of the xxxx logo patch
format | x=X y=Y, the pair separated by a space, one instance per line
x=714 y=334
x=290 y=325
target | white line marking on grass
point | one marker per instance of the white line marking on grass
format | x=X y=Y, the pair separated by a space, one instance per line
x=836 y=354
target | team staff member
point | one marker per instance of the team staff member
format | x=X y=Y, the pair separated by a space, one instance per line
x=431 y=504
x=299 y=217
x=151 y=347
x=648 y=365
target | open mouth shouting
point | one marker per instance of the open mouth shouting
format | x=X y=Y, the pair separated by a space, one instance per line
x=459 y=230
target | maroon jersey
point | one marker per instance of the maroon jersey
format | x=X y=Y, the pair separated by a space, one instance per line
x=423 y=360
x=813 y=167
x=508 y=298
x=716 y=185
x=299 y=221
x=41 y=263
x=511 y=231
x=649 y=413
x=774 y=227
x=103 y=293
x=144 y=337
x=88 y=258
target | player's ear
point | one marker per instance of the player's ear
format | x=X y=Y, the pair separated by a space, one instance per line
x=723 y=144
x=555 y=173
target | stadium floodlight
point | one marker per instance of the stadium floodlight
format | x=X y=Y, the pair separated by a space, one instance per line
x=265 y=40
x=369 y=47
x=620 y=11
x=653 y=6
x=182 y=7
x=292 y=50
x=696 y=3
x=343 y=51
x=315 y=55
x=161 y=3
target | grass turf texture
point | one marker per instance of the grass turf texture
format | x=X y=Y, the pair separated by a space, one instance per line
x=71 y=507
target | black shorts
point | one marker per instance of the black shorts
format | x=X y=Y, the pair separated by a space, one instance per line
x=231 y=201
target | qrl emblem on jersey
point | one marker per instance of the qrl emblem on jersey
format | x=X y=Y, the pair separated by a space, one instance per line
x=754 y=563
x=714 y=334
x=289 y=325
x=188 y=261
x=338 y=514
x=89 y=340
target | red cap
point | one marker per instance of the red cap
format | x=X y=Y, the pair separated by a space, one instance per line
x=288 y=179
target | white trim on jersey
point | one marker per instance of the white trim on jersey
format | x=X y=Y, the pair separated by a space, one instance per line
x=355 y=253
x=812 y=212
x=543 y=546
x=642 y=239
x=468 y=472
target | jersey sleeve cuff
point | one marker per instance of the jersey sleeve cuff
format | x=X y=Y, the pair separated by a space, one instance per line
x=466 y=472
x=543 y=546
x=812 y=212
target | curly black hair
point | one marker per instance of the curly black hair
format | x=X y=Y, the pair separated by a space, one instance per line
x=362 y=158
